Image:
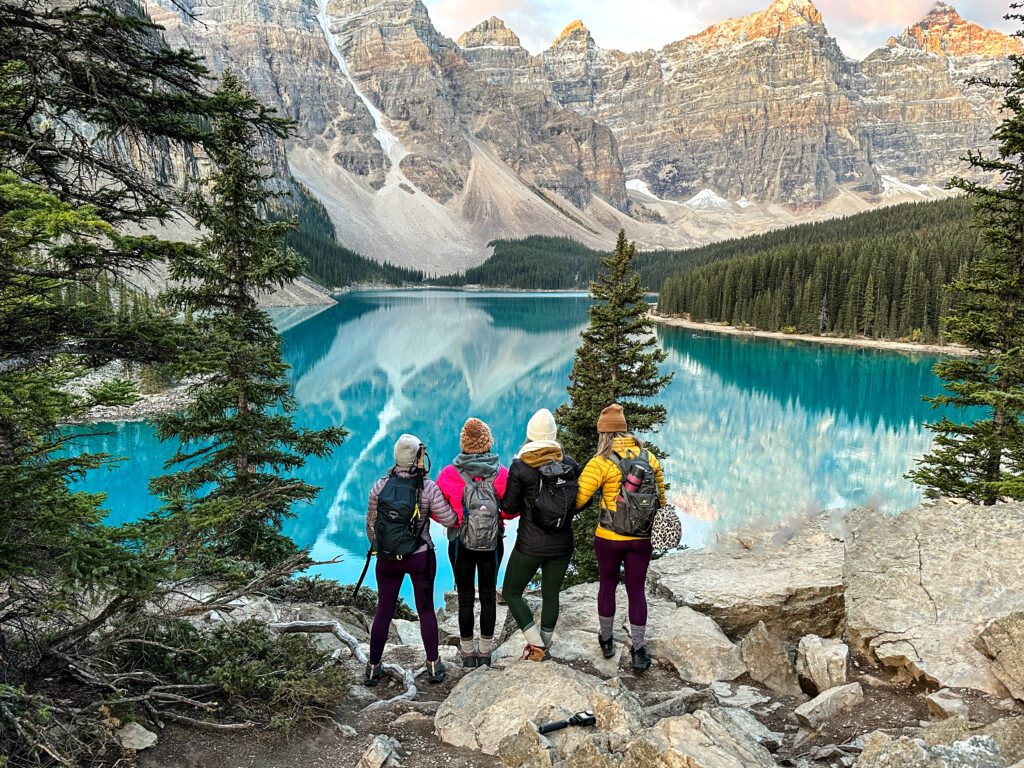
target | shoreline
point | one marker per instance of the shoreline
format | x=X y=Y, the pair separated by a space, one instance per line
x=905 y=347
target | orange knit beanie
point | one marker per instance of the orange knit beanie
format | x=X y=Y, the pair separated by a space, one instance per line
x=612 y=419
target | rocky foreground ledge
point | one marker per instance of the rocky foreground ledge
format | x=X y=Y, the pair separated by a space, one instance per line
x=852 y=640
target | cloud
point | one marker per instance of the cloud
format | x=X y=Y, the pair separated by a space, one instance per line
x=859 y=26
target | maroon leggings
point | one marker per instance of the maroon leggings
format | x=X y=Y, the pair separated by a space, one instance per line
x=421 y=568
x=611 y=555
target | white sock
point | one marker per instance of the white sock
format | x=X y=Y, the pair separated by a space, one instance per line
x=466 y=646
x=532 y=635
x=486 y=643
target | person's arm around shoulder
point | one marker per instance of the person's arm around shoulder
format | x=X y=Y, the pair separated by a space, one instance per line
x=371 y=508
x=659 y=478
x=434 y=503
x=451 y=485
x=512 y=498
x=590 y=481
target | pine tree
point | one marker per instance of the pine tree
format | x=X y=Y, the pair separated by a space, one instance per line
x=616 y=363
x=982 y=460
x=231 y=491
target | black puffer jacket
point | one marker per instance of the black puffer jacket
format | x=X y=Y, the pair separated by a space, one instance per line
x=520 y=495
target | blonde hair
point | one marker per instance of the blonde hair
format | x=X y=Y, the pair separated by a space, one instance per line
x=606 y=442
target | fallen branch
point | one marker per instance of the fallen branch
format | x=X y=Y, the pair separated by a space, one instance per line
x=207 y=725
x=399 y=673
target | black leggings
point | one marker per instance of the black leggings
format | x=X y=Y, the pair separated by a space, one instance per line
x=470 y=568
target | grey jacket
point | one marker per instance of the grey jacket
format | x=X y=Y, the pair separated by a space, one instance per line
x=432 y=502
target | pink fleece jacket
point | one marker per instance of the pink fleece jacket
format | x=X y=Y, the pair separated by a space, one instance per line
x=452 y=486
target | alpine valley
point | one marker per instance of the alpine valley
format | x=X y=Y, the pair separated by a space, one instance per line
x=424 y=149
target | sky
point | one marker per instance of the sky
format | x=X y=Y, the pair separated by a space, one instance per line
x=859 y=25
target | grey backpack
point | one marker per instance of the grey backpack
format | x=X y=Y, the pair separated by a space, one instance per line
x=481 y=514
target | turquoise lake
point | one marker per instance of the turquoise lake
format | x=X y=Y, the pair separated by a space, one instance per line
x=758 y=430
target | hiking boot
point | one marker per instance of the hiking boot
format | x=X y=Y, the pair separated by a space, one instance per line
x=535 y=653
x=436 y=672
x=471 y=660
x=607 y=646
x=371 y=675
x=483 y=660
x=641 y=659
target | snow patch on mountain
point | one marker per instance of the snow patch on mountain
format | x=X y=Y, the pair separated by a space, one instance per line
x=706 y=200
x=891 y=187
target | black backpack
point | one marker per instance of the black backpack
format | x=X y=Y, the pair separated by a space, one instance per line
x=398 y=529
x=634 y=510
x=555 y=505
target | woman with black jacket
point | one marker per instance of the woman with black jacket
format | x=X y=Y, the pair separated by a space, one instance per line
x=539 y=546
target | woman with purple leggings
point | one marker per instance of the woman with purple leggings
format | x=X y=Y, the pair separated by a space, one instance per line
x=398 y=518
x=631 y=486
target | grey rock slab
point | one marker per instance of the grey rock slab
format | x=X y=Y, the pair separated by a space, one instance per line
x=822 y=662
x=753 y=727
x=921 y=587
x=693 y=644
x=706 y=739
x=1003 y=642
x=767 y=659
x=383 y=751
x=738 y=695
x=791 y=582
x=684 y=702
x=945 y=704
x=490 y=704
x=134 y=736
x=829 y=704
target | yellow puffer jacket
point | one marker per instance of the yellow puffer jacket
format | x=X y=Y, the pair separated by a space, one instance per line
x=604 y=475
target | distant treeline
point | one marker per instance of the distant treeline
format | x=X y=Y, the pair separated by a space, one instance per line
x=328 y=262
x=536 y=263
x=877 y=274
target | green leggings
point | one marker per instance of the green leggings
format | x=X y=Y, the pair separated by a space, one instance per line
x=519 y=573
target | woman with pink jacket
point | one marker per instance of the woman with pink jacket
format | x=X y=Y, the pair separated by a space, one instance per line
x=474 y=484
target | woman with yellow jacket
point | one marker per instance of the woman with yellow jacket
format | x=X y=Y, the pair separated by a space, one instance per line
x=632 y=488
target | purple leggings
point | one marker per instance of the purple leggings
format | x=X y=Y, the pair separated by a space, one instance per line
x=421 y=568
x=611 y=556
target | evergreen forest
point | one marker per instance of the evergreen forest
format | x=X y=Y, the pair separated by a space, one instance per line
x=327 y=261
x=881 y=274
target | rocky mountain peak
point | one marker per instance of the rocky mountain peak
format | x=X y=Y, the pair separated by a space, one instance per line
x=944 y=32
x=780 y=17
x=490 y=32
x=575 y=33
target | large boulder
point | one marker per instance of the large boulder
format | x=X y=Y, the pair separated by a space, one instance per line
x=790 y=580
x=691 y=643
x=953 y=743
x=826 y=706
x=921 y=586
x=1003 y=642
x=711 y=738
x=492 y=704
x=884 y=751
x=822 y=662
x=767 y=659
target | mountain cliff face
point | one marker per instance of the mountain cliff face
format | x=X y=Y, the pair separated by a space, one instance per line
x=424 y=149
x=769 y=109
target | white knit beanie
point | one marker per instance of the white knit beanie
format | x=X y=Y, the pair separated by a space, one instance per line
x=542 y=427
x=406 y=450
